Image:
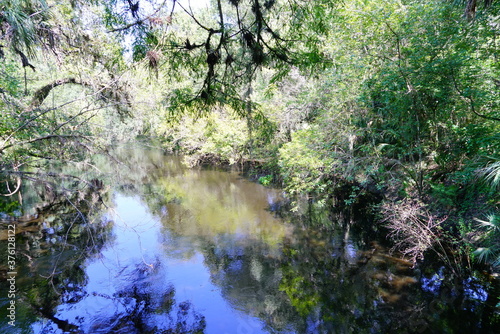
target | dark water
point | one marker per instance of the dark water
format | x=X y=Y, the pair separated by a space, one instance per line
x=164 y=249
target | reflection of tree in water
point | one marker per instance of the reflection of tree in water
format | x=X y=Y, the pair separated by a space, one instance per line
x=52 y=245
x=310 y=287
x=341 y=285
x=318 y=281
x=248 y=275
x=144 y=310
x=312 y=278
x=321 y=276
x=301 y=280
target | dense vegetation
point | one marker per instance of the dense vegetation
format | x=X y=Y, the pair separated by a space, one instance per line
x=395 y=103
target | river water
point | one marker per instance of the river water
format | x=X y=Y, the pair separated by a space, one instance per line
x=165 y=249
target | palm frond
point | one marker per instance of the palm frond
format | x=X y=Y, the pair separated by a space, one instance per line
x=496 y=263
x=21 y=18
x=492 y=222
x=21 y=29
x=484 y=254
x=492 y=174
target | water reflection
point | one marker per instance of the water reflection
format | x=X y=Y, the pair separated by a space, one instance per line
x=173 y=250
x=51 y=247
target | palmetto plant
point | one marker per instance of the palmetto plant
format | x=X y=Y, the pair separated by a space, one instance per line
x=492 y=174
x=24 y=24
x=490 y=252
x=490 y=227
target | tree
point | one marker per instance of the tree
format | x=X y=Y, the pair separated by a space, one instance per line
x=224 y=46
x=36 y=129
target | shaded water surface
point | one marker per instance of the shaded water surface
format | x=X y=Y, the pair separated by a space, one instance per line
x=164 y=249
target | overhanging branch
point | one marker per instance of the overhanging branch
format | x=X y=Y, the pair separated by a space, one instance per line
x=41 y=139
x=41 y=94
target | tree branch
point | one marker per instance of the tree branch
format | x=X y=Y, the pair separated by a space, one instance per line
x=141 y=21
x=41 y=94
x=40 y=139
x=190 y=13
x=471 y=102
x=16 y=190
x=24 y=59
x=31 y=120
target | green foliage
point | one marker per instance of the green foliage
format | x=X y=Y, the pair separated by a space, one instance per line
x=225 y=138
x=139 y=51
x=10 y=80
x=445 y=195
x=213 y=138
x=222 y=51
x=265 y=180
x=487 y=231
x=303 y=163
x=9 y=208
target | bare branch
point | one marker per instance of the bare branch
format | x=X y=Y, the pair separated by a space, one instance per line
x=25 y=124
x=41 y=139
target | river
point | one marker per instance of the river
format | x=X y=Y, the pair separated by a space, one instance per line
x=165 y=249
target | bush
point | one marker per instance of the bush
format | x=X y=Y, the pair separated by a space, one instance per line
x=414 y=229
